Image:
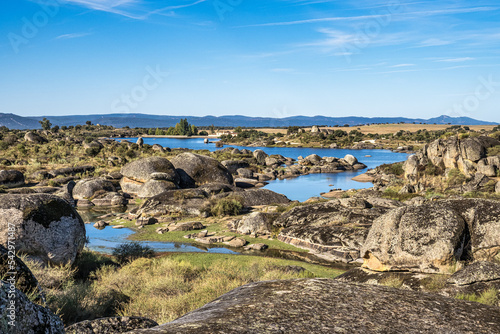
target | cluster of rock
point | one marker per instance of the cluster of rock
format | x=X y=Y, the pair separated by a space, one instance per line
x=336 y=229
x=468 y=155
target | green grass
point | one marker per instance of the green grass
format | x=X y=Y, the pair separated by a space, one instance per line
x=148 y=233
x=393 y=193
x=488 y=297
x=161 y=288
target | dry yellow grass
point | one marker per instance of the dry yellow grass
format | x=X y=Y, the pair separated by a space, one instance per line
x=388 y=128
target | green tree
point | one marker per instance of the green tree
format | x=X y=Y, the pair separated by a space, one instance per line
x=45 y=123
x=194 y=130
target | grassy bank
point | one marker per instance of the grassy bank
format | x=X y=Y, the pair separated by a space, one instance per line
x=213 y=226
x=161 y=288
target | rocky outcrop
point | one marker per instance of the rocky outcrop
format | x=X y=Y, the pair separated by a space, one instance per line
x=327 y=306
x=195 y=170
x=11 y=178
x=34 y=138
x=21 y=316
x=183 y=201
x=88 y=188
x=71 y=171
x=233 y=165
x=431 y=237
x=255 y=197
x=315 y=164
x=334 y=230
x=45 y=227
x=424 y=238
x=256 y=222
x=112 y=199
x=110 y=325
x=483 y=222
x=148 y=177
x=467 y=155
x=260 y=156
x=481 y=271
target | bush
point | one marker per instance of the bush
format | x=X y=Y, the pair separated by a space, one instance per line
x=432 y=170
x=396 y=168
x=227 y=207
x=130 y=251
x=455 y=177
x=488 y=297
x=495 y=150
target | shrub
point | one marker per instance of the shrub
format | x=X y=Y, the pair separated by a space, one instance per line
x=392 y=281
x=455 y=177
x=488 y=297
x=130 y=251
x=396 y=168
x=490 y=186
x=92 y=151
x=495 y=150
x=88 y=262
x=227 y=207
x=432 y=170
x=463 y=135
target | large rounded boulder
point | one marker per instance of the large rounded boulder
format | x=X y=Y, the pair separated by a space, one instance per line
x=426 y=238
x=45 y=227
x=195 y=170
x=137 y=174
x=85 y=189
x=34 y=138
x=11 y=178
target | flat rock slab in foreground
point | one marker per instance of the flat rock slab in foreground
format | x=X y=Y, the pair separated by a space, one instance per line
x=327 y=306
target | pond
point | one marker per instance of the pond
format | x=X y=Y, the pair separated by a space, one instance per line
x=105 y=240
x=306 y=186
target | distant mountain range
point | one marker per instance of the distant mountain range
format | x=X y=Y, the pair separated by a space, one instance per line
x=162 y=121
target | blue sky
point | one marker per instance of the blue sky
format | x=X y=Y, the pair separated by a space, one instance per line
x=274 y=58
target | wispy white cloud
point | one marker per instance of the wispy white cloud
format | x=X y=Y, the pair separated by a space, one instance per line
x=406 y=15
x=74 y=35
x=398 y=71
x=134 y=9
x=433 y=42
x=402 y=65
x=455 y=60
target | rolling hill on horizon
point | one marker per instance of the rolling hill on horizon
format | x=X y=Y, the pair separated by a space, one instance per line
x=13 y=121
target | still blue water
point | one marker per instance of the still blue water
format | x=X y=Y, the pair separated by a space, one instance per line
x=306 y=186
x=105 y=240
